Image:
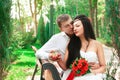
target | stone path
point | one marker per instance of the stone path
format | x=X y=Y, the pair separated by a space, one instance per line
x=108 y=52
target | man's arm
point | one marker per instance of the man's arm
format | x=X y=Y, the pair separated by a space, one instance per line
x=44 y=51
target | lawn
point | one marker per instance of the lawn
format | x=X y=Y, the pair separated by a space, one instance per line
x=23 y=66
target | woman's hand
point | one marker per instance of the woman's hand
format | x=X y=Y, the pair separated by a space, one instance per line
x=96 y=68
x=94 y=65
x=54 y=56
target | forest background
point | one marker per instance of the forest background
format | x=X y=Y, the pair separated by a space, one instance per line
x=32 y=22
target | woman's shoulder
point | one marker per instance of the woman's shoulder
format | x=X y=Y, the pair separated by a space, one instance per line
x=97 y=43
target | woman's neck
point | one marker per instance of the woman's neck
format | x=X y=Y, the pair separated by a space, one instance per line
x=84 y=44
x=83 y=40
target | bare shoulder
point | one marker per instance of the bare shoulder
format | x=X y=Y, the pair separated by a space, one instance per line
x=97 y=43
x=97 y=46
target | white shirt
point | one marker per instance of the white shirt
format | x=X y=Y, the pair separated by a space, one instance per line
x=57 y=42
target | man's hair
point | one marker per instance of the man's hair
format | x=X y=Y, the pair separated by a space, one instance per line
x=61 y=18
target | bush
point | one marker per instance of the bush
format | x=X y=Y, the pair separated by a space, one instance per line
x=23 y=40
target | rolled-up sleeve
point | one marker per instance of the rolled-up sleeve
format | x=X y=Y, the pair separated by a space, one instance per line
x=57 y=42
x=41 y=54
x=44 y=51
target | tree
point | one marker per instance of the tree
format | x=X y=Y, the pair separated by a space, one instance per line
x=113 y=18
x=35 y=9
x=19 y=15
x=93 y=15
x=5 y=30
x=41 y=31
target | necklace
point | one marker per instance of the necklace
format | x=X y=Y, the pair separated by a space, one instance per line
x=86 y=47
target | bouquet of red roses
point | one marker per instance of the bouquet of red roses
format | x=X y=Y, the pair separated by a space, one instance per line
x=79 y=67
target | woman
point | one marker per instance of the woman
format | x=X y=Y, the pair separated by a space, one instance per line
x=83 y=44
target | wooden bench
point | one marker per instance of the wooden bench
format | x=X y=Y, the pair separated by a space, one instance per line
x=38 y=63
x=50 y=66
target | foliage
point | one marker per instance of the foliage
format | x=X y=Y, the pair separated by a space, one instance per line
x=46 y=32
x=5 y=33
x=27 y=39
x=16 y=41
x=104 y=34
x=41 y=31
x=22 y=40
x=77 y=7
x=113 y=19
x=105 y=41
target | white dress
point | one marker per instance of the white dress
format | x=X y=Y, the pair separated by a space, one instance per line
x=90 y=56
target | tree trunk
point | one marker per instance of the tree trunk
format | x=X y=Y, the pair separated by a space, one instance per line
x=1 y=70
x=91 y=12
x=19 y=12
x=34 y=13
x=93 y=15
x=35 y=19
x=96 y=21
x=119 y=28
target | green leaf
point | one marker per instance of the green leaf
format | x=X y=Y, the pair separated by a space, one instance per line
x=71 y=66
x=78 y=71
x=88 y=71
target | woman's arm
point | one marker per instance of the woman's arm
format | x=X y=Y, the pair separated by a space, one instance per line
x=101 y=59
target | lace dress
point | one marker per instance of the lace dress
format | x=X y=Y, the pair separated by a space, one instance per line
x=90 y=56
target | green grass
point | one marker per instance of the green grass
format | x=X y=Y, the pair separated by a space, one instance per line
x=23 y=65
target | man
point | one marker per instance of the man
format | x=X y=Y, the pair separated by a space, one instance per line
x=57 y=42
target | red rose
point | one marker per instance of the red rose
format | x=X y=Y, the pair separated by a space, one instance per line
x=79 y=67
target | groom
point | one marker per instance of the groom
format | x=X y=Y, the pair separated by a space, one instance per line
x=58 y=42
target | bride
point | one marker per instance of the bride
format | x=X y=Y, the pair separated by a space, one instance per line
x=83 y=44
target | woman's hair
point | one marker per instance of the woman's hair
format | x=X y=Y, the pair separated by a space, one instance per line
x=74 y=45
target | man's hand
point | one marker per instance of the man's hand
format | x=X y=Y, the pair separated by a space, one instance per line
x=94 y=65
x=54 y=56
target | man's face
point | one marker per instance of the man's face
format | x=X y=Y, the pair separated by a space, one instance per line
x=67 y=27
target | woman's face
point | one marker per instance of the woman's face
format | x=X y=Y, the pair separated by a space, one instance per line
x=78 y=28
